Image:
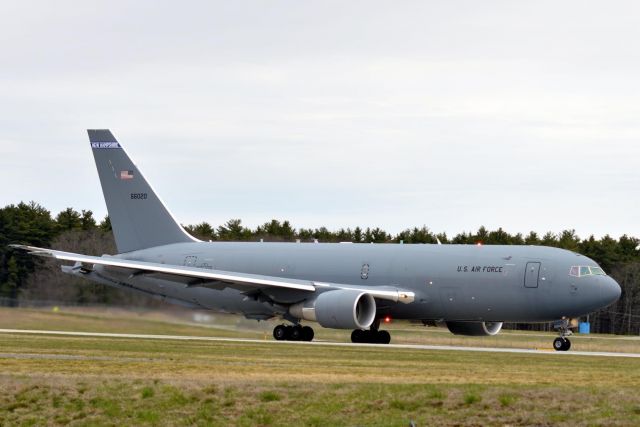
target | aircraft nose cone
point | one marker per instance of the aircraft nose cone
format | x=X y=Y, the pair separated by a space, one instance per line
x=611 y=290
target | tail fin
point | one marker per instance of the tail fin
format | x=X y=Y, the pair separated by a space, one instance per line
x=138 y=217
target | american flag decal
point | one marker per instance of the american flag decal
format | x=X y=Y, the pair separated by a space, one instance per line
x=126 y=174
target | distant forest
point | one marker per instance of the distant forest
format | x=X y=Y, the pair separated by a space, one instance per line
x=27 y=278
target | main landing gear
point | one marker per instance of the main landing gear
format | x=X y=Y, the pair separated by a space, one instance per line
x=293 y=333
x=562 y=343
x=372 y=336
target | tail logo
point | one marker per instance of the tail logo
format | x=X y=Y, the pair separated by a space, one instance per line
x=126 y=175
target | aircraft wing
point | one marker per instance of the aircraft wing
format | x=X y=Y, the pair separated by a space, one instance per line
x=193 y=276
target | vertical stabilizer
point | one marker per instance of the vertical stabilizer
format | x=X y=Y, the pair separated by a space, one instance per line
x=138 y=217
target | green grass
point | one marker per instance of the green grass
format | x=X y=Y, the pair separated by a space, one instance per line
x=507 y=399
x=117 y=402
x=269 y=396
x=147 y=392
x=470 y=398
x=63 y=380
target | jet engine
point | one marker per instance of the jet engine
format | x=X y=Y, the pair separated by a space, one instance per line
x=339 y=309
x=474 y=329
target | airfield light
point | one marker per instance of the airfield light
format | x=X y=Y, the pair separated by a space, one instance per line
x=479 y=244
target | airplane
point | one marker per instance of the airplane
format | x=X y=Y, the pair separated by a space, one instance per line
x=472 y=289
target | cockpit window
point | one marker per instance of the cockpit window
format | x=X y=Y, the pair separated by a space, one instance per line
x=583 y=270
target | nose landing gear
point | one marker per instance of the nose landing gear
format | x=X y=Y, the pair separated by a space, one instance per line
x=562 y=343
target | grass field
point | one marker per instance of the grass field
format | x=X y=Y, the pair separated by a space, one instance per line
x=55 y=380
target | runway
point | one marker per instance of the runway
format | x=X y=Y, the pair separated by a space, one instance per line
x=549 y=352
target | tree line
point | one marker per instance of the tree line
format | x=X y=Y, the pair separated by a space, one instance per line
x=27 y=277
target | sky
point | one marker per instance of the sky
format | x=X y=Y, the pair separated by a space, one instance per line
x=449 y=114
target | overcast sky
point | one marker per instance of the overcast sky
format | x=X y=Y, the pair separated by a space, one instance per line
x=449 y=114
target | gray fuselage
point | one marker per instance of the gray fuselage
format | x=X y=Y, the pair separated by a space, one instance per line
x=451 y=282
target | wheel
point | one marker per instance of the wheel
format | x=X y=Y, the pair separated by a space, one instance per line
x=383 y=337
x=561 y=344
x=558 y=344
x=307 y=333
x=280 y=332
x=357 y=336
x=295 y=334
x=369 y=336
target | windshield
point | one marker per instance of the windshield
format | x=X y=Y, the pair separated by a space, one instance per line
x=584 y=270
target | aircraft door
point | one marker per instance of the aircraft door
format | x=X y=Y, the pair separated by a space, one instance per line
x=532 y=275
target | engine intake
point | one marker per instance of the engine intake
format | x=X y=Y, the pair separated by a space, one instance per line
x=474 y=329
x=339 y=309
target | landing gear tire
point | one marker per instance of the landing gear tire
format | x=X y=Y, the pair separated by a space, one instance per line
x=280 y=333
x=357 y=336
x=384 y=337
x=293 y=333
x=307 y=333
x=561 y=344
x=370 y=337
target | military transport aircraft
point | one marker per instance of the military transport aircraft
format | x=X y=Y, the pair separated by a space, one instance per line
x=470 y=288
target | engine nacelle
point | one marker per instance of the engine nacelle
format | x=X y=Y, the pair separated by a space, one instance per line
x=339 y=309
x=474 y=329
